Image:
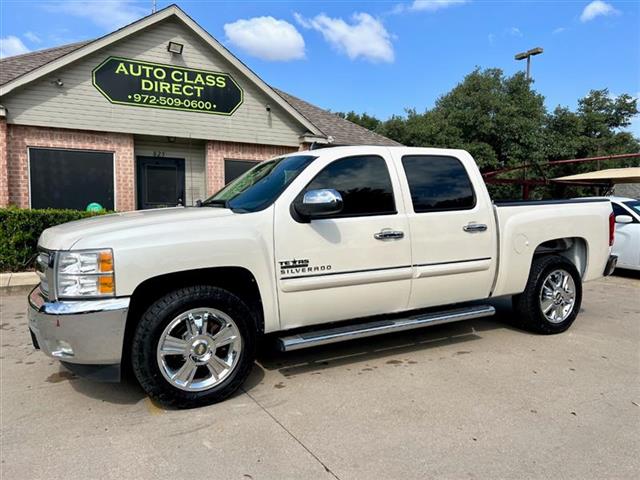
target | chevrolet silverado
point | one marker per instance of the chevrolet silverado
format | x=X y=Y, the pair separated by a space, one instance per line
x=311 y=248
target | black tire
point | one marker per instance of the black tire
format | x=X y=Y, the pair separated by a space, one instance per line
x=155 y=320
x=528 y=310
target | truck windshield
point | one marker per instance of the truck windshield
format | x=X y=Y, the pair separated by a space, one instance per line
x=259 y=187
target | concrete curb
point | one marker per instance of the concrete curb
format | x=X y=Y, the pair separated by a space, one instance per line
x=18 y=279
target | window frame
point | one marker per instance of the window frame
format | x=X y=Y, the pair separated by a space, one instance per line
x=88 y=150
x=340 y=215
x=436 y=210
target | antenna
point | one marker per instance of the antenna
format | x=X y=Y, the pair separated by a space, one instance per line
x=154 y=6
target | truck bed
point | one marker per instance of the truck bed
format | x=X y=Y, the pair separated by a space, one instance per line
x=523 y=226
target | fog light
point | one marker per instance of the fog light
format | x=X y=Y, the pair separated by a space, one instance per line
x=62 y=349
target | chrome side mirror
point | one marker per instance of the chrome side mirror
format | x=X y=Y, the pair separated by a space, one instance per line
x=318 y=204
x=624 y=219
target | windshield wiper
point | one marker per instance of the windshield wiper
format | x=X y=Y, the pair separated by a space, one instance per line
x=217 y=202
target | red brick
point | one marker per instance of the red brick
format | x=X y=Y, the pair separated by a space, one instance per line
x=19 y=138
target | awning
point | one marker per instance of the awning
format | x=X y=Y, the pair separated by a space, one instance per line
x=611 y=175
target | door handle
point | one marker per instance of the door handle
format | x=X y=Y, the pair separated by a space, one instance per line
x=475 y=227
x=388 y=234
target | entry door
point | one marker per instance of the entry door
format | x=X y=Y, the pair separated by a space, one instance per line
x=160 y=182
x=335 y=268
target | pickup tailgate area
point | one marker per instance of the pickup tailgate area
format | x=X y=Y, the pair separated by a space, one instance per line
x=525 y=226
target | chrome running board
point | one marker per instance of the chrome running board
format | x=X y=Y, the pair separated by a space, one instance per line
x=380 y=327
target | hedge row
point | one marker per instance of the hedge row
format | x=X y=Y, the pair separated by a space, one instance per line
x=20 y=230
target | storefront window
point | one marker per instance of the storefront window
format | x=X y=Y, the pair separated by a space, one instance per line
x=234 y=168
x=70 y=178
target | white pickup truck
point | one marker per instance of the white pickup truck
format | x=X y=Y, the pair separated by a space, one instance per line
x=313 y=247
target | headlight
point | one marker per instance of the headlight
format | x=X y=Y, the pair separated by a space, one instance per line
x=86 y=273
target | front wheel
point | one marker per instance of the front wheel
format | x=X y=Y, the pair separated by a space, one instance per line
x=551 y=300
x=194 y=346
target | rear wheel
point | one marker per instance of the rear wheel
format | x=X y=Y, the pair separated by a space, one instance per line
x=194 y=346
x=552 y=298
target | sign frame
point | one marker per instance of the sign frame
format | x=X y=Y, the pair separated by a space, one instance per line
x=166 y=107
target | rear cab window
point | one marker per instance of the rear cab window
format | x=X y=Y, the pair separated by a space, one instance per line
x=438 y=183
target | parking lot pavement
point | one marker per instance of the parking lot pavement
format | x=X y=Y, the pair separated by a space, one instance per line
x=470 y=400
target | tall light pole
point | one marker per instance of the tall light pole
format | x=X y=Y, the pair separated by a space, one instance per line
x=528 y=54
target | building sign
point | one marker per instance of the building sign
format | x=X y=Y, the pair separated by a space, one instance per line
x=144 y=84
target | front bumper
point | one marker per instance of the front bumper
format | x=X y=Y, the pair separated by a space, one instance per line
x=611 y=265
x=79 y=332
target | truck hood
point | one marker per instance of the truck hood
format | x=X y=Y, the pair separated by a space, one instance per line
x=65 y=236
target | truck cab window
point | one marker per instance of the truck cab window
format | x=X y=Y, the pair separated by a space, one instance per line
x=438 y=183
x=364 y=183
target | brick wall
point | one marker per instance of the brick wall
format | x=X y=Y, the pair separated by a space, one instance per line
x=20 y=138
x=217 y=152
x=4 y=180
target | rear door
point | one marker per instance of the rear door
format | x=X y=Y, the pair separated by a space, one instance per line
x=452 y=229
x=335 y=268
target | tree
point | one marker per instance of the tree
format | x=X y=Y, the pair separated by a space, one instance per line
x=364 y=120
x=498 y=119
x=503 y=122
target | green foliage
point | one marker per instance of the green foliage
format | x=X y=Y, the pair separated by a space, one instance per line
x=363 y=119
x=503 y=123
x=20 y=230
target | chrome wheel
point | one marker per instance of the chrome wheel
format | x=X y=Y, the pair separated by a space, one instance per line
x=199 y=349
x=558 y=296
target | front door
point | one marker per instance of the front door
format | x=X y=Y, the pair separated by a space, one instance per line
x=160 y=182
x=338 y=268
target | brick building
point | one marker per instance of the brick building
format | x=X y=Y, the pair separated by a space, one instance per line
x=157 y=113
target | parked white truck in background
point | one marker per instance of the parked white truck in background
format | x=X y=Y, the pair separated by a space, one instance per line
x=296 y=245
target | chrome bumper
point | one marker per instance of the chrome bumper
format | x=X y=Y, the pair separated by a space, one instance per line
x=89 y=332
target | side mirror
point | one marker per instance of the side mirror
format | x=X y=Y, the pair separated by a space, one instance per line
x=624 y=219
x=318 y=204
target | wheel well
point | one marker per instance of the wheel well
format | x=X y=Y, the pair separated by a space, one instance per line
x=237 y=280
x=573 y=249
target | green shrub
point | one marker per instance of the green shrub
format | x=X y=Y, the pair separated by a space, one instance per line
x=20 y=230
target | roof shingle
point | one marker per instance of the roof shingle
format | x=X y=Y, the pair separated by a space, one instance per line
x=14 y=67
x=343 y=131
